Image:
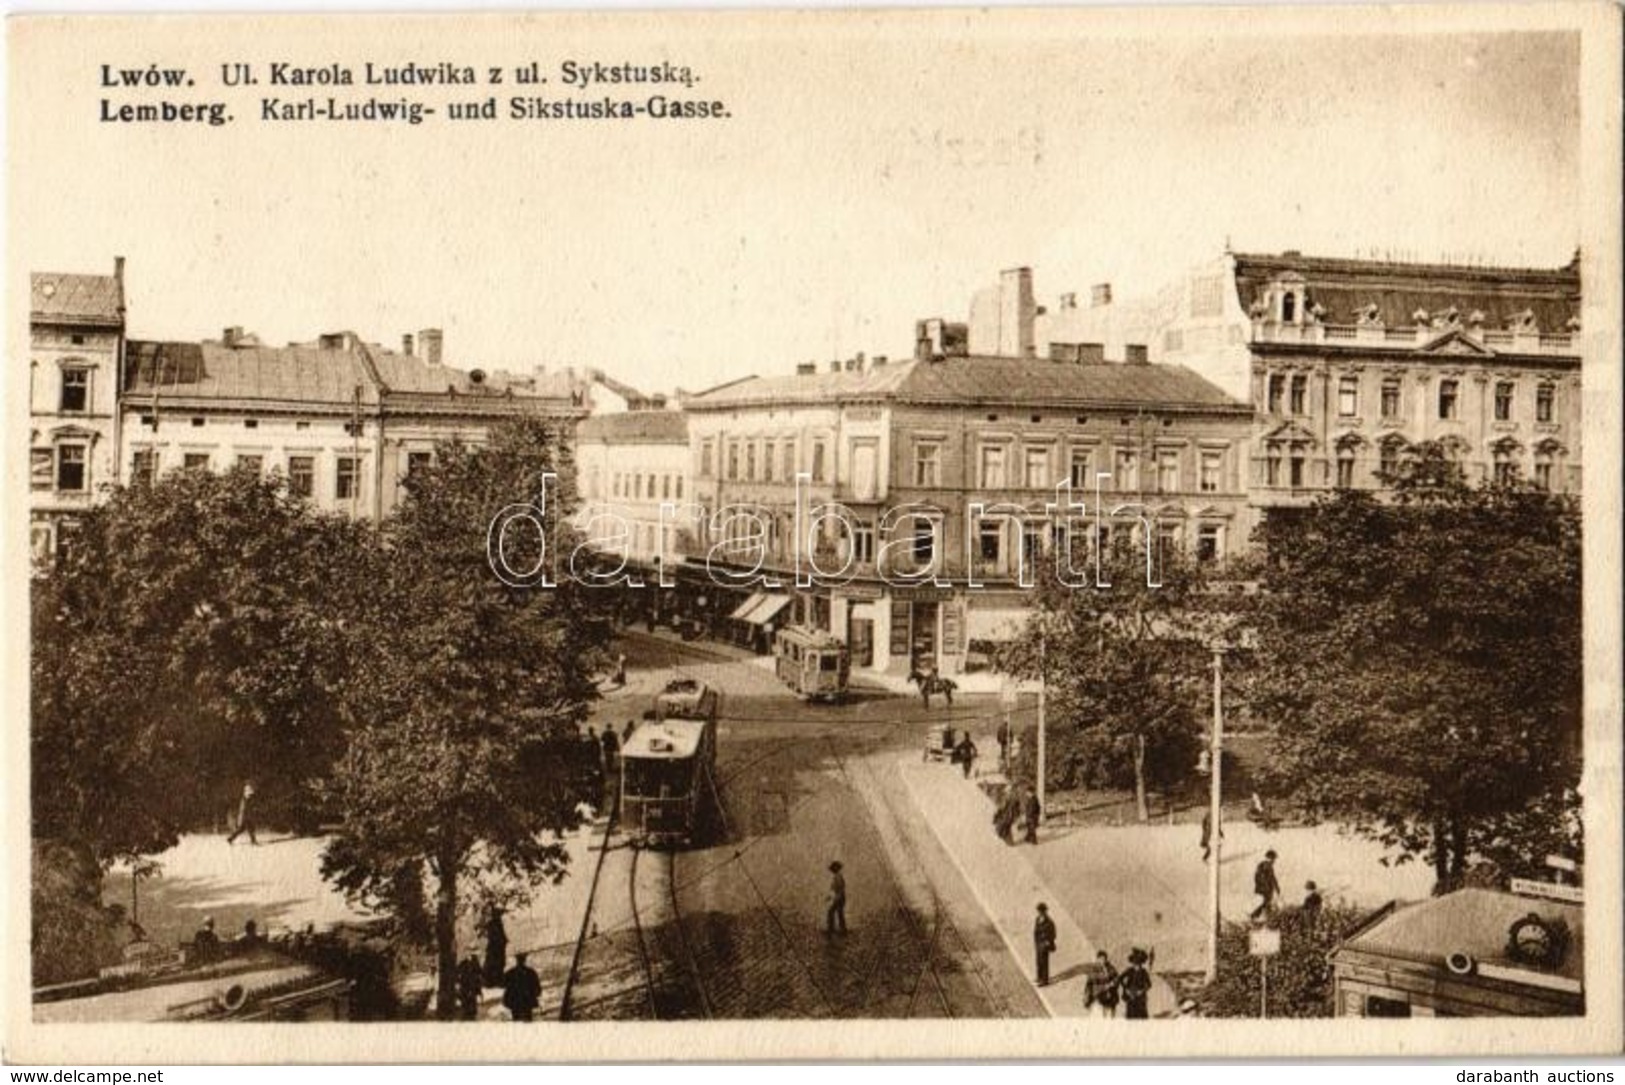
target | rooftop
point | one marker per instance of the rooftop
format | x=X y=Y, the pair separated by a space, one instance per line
x=76 y=299
x=1477 y=922
x=635 y=427
x=666 y=739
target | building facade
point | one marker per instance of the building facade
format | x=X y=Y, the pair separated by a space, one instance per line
x=634 y=473
x=343 y=420
x=1348 y=363
x=76 y=351
x=922 y=493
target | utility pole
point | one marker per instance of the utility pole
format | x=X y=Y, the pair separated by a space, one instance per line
x=1043 y=681
x=1215 y=836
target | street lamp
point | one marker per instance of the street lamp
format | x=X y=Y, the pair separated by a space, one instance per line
x=1215 y=836
x=1043 y=805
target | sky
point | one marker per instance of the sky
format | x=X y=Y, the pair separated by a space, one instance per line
x=875 y=169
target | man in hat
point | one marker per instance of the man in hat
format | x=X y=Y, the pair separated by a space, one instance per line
x=1311 y=904
x=1031 y=812
x=835 y=917
x=1135 y=983
x=521 y=989
x=470 y=983
x=1265 y=885
x=1043 y=942
x=965 y=753
x=205 y=943
x=1100 y=993
x=245 y=816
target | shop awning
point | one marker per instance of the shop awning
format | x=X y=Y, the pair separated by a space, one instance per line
x=747 y=606
x=996 y=624
x=766 y=609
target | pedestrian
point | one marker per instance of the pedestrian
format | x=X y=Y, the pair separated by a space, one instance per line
x=626 y=732
x=620 y=668
x=1311 y=904
x=205 y=943
x=835 y=915
x=1004 y=817
x=946 y=687
x=470 y=982
x=611 y=748
x=925 y=681
x=1135 y=983
x=1265 y=885
x=1100 y=993
x=251 y=938
x=1207 y=835
x=1043 y=942
x=965 y=754
x=521 y=989
x=1003 y=735
x=245 y=816
x=496 y=947
x=1032 y=811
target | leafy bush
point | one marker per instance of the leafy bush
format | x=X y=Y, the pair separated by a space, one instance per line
x=1300 y=976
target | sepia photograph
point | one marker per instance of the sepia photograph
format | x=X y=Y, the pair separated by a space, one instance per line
x=962 y=533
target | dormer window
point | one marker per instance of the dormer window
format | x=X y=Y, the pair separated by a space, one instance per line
x=1289 y=303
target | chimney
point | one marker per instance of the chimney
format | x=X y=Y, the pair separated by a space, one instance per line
x=1069 y=301
x=835 y=366
x=230 y=336
x=432 y=340
x=880 y=360
x=1016 y=313
x=406 y=344
x=956 y=340
x=1100 y=294
x=1135 y=354
x=806 y=369
x=330 y=341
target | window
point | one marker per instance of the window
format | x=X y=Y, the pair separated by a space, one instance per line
x=1348 y=397
x=1288 y=307
x=769 y=449
x=347 y=478
x=865 y=478
x=789 y=471
x=1277 y=384
x=679 y=487
x=1035 y=469
x=302 y=476
x=70 y=468
x=1295 y=468
x=928 y=464
x=75 y=391
x=1506 y=472
x=1207 y=543
x=992 y=467
x=863 y=543
x=251 y=463
x=195 y=461
x=1388 y=459
x=1390 y=397
x=1032 y=543
x=1345 y=469
x=1300 y=393
x=1448 y=392
x=1167 y=542
x=750 y=460
x=665 y=487
x=990 y=538
x=708 y=451
x=1272 y=467
x=1168 y=471
x=420 y=461
x=925 y=540
x=733 y=461
x=1082 y=475
x=818 y=461
x=143 y=467
x=1503 y=401
x=1543 y=474
x=1128 y=469
x=1209 y=481
x=1544 y=395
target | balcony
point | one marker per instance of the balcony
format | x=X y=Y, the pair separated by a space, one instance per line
x=1512 y=342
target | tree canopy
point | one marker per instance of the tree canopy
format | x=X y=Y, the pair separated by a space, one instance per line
x=1420 y=664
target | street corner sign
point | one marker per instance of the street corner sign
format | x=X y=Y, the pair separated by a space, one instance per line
x=1264 y=942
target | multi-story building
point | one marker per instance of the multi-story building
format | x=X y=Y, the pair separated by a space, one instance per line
x=1348 y=363
x=343 y=420
x=943 y=469
x=630 y=466
x=76 y=348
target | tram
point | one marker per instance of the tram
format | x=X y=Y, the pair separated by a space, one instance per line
x=668 y=767
x=813 y=663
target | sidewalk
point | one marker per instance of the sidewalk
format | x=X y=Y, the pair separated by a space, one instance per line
x=1009 y=887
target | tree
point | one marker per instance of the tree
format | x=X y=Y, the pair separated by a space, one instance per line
x=1125 y=667
x=1420 y=664
x=181 y=646
x=465 y=697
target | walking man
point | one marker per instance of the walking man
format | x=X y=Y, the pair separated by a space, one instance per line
x=521 y=989
x=245 y=816
x=1265 y=885
x=835 y=916
x=965 y=754
x=496 y=948
x=1311 y=904
x=1043 y=942
x=620 y=668
x=1207 y=835
x=1032 y=811
x=1136 y=984
x=1004 y=741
